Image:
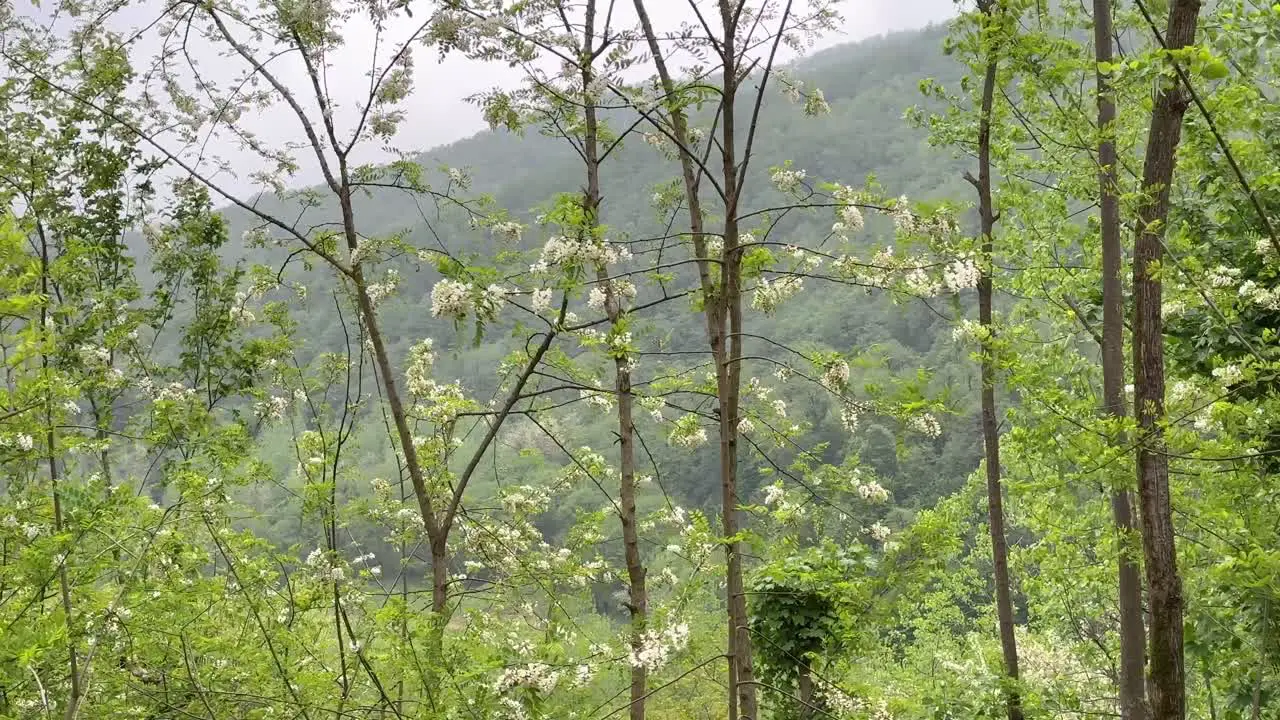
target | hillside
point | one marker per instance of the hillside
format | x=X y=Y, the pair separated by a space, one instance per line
x=868 y=85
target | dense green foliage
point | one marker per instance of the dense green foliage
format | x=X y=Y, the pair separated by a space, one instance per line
x=370 y=448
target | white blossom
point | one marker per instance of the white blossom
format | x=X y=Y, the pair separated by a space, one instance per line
x=1265 y=248
x=961 y=274
x=490 y=302
x=509 y=231
x=903 y=219
x=970 y=331
x=1252 y=292
x=879 y=532
x=770 y=294
x=849 y=417
x=786 y=179
x=926 y=425
x=919 y=283
x=656 y=647
x=418 y=374
x=541 y=300
x=450 y=298
x=815 y=104
x=596 y=298
x=385 y=288
x=537 y=676
x=654 y=405
x=836 y=375
x=272 y=408
x=688 y=433
x=655 y=140
x=566 y=252
x=872 y=491
x=773 y=494
x=851 y=220
x=1229 y=374
x=1223 y=276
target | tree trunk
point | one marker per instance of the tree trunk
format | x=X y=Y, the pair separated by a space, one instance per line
x=990 y=429
x=723 y=316
x=728 y=311
x=64 y=584
x=1167 y=674
x=1132 y=631
x=439 y=575
x=804 y=685
x=638 y=600
x=1264 y=640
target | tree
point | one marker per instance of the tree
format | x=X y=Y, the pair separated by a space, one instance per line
x=1164 y=586
x=990 y=21
x=1132 y=630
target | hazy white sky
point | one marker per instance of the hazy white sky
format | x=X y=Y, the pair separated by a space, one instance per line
x=437 y=112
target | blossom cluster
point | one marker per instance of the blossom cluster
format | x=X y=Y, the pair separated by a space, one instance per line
x=926 y=425
x=653 y=404
x=22 y=441
x=326 y=566
x=970 y=331
x=540 y=300
x=872 y=491
x=623 y=291
x=656 y=647
x=536 y=676
x=961 y=274
x=770 y=294
x=688 y=432
x=836 y=375
x=273 y=408
x=569 y=253
x=787 y=180
x=456 y=300
x=844 y=705
x=525 y=499
x=1265 y=297
x=508 y=230
x=384 y=288
x=418 y=373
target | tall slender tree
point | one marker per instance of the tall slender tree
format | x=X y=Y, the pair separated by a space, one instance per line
x=1132 y=693
x=991 y=42
x=1164 y=585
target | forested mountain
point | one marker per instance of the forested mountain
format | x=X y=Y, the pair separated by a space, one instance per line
x=929 y=377
x=869 y=86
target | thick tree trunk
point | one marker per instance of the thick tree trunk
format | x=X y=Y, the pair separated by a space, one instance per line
x=1132 y=631
x=1164 y=586
x=439 y=575
x=990 y=429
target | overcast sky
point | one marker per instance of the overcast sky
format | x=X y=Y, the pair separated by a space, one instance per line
x=442 y=116
x=437 y=112
x=447 y=117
